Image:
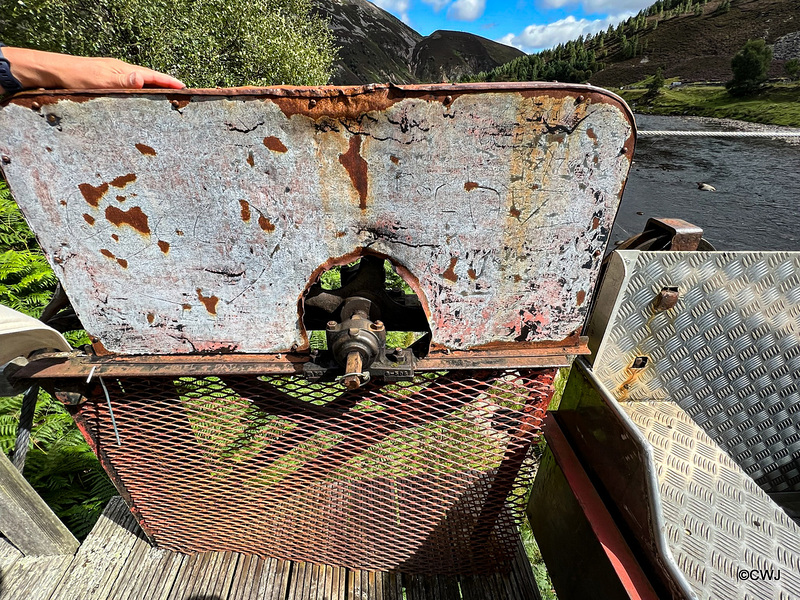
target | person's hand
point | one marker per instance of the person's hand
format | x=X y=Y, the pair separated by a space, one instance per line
x=37 y=69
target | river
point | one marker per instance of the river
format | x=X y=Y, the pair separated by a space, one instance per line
x=757 y=202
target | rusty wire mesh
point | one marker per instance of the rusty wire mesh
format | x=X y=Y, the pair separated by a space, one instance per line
x=421 y=477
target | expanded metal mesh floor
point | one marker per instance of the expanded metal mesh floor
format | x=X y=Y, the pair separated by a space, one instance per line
x=421 y=477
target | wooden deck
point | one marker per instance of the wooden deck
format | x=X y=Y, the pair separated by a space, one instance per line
x=116 y=562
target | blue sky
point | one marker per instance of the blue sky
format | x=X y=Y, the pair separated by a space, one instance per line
x=527 y=24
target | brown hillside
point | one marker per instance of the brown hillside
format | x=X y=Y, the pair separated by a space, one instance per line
x=700 y=47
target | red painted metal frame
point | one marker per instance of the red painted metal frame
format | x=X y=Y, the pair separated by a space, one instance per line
x=619 y=553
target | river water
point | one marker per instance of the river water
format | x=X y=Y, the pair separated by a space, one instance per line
x=757 y=202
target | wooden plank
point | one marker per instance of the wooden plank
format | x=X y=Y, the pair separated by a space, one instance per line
x=33 y=577
x=148 y=573
x=102 y=557
x=9 y=554
x=246 y=580
x=209 y=574
x=26 y=520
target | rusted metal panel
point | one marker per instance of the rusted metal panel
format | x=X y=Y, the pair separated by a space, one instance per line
x=194 y=221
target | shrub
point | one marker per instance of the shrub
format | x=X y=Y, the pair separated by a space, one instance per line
x=205 y=43
x=750 y=66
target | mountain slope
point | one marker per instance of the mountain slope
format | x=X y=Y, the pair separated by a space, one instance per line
x=376 y=47
x=699 y=46
x=453 y=54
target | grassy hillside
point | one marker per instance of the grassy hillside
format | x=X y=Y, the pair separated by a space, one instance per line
x=693 y=40
x=777 y=104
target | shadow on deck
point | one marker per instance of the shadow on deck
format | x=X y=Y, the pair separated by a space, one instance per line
x=116 y=562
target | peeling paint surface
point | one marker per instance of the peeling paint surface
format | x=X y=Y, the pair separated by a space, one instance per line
x=498 y=202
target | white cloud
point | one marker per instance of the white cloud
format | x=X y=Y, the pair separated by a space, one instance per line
x=398 y=7
x=466 y=10
x=536 y=37
x=437 y=5
x=599 y=6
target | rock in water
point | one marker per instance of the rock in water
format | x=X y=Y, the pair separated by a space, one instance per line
x=705 y=187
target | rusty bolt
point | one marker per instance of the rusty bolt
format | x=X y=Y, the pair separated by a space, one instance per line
x=640 y=362
x=353 y=331
x=175 y=103
x=447 y=351
x=35 y=105
x=294 y=348
x=6 y=159
x=51 y=118
x=624 y=150
x=312 y=103
x=279 y=356
x=398 y=351
x=579 y=99
x=376 y=326
x=448 y=99
x=667 y=298
x=332 y=325
x=314 y=353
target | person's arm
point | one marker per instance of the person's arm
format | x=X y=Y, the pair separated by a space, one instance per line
x=37 y=69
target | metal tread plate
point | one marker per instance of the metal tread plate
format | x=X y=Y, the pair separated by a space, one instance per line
x=727 y=353
x=724 y=532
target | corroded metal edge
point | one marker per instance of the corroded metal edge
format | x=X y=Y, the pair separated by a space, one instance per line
x=72 y=365
x=666 y=561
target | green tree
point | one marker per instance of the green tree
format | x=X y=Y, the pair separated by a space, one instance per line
x=205 y=43
x=750 y=66
x=656 y=83
x=792 y=68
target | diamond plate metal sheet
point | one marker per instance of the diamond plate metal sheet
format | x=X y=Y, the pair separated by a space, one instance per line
x=728 y=353
x=718 y=522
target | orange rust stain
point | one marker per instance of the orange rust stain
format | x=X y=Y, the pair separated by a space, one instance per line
x=592 y=135
x=164 y=246
x=581 y=297
x=115 y=237
x=394 y=159
x=122 y=263
x=472 y=274
x=517 y=278
x=210 y=302
x=595 y=223
x=178 y=232
x=250 y=160
x=93 y=194
x=450 y=274
x=134 y=218
x=150 y=318
x=107 y=253
x=186 y=306
x=123 y=180
x=245 y=210
x=120 y=198
x=62 y=202
x=341 y=234
x=145 y=149
x=514 y=212
x=470 y=185
x=356 y=167
x=88 y=218
x=275 y=144
x=265 y=224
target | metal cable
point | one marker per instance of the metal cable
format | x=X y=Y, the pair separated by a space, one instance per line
x=726 y=134
x=24 y=428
